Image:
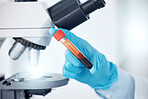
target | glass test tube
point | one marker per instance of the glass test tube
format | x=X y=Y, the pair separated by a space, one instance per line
x=60 y=36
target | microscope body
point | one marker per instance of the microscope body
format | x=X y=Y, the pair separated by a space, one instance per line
x=28 y=23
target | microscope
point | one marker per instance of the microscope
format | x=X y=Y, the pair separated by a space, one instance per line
x=28 y=22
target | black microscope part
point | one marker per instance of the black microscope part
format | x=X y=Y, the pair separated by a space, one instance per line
x=42 y=92
x=29 y=44
x=2 y=78
x=92 y=5
x=70 y=13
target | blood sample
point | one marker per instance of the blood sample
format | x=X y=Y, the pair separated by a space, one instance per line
x=60 y=36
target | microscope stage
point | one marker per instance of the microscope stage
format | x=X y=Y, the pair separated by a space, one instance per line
x=47 y=81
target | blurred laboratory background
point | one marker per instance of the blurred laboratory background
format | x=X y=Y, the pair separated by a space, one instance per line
x=119 y=31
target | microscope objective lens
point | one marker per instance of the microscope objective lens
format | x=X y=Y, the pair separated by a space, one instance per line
x=16 y=50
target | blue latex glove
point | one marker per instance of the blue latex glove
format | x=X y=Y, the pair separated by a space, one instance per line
x=103 y=73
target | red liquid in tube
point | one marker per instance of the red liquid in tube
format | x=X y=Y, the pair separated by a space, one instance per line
x=60 y=36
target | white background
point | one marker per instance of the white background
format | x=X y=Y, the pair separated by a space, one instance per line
x=107 y=31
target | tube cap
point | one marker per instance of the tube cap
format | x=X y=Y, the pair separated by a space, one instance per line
x=59 y=35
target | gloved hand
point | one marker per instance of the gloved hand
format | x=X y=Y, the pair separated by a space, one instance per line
x=103 y=73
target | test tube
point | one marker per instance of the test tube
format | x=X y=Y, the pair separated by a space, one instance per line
x=60 y=36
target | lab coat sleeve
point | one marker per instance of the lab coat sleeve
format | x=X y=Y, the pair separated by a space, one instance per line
x=124 y=88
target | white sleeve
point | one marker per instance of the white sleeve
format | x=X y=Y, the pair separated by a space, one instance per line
x=124 y=88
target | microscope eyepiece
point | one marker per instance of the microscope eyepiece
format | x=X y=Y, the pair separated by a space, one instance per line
x=92 y=5
x=70 y=13
x=100 y=3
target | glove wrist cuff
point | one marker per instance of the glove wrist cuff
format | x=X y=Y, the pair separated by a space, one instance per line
x=112 y=79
